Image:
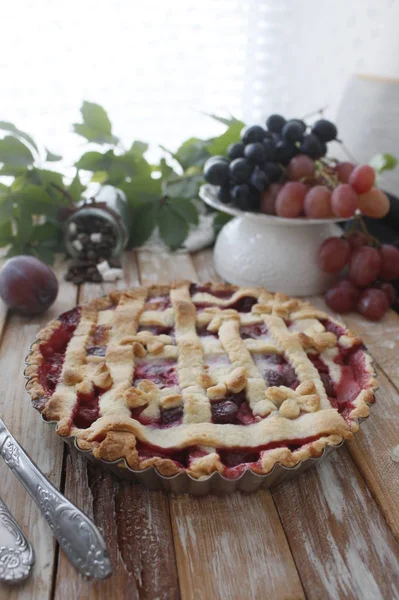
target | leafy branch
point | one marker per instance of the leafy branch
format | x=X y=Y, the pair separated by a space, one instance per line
x=162 y=196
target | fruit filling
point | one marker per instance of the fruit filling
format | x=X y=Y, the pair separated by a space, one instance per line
x=276 y=370
x=54 y=349
x=86 y=410
x=98 y=342
x=161 y=372
x=334 y=328
x=234 y=460
x=233 y=409
x=354 y=378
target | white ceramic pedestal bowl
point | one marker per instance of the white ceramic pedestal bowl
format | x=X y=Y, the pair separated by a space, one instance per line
x=272 y=252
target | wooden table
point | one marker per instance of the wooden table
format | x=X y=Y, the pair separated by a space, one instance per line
x=330 y=533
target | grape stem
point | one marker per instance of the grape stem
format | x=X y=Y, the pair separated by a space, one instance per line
x=358 y=222
x=320 y=111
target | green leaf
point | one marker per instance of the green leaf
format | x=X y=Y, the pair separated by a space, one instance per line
x=193 y=152
x=14 y=153
x=6 y=208
x=44 y=177
x=76 y=188
x=24 y=223
x=226 y=121
x=99 y=177
x=185 y=209
x=232 y=134
x=142 y=189
x=144 y=220
x=34 y=197
x=183 y=187
x=165 y=169
x=96 y=126
x=45 y=254
x=96 y=117
x=51 y=157
x=12 y=171
x=5 y=233
x=91 y=161
x=220 y=221
x=383 y=162
x=139 y=148
x=6 y=126
x=45 y=232
x=172 y=227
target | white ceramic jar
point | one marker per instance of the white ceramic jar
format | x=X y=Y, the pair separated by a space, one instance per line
x=276 y=253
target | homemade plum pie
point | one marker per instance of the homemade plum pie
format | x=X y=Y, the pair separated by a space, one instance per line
x=201 y=378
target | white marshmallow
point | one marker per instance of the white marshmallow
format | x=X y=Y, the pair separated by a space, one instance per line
x=102 y=267
x=72 y=228
x=77 y=244
x=112 y=274
x=96 y=238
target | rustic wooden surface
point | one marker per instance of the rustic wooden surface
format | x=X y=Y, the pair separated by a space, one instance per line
x=330 y=533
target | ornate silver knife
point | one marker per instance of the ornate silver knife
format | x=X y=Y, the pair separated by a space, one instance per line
x=16 y=553
x=77 y=535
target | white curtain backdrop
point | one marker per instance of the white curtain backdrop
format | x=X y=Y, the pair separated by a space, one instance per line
x=156 y=65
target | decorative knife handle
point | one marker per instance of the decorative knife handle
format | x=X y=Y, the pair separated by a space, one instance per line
x=77 y=535
x=16 y=553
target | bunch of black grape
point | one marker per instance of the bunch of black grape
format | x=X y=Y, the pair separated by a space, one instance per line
x=260 y=159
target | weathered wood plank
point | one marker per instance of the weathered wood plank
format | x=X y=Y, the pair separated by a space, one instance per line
x=379 y=434
x=135 y=521
x=226 y=547
x=37 y=438
x=341 y=543
x=231 y=548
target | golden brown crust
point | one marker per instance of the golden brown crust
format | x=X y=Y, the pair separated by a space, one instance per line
x=282 y=413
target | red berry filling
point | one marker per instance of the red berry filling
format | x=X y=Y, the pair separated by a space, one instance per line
x=86 y=410
x=161 y=372
x=235 y=460
x=253 y=331
x=354 y=378
x=334 y=328
x=276 y=370
x=53 y=351
x=98 y=342
x=203 y=332
x=233 y=409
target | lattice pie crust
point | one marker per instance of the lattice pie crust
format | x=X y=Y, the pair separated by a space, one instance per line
x=201 y=378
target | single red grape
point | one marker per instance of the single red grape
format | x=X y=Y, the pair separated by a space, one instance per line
x=344 y=201
x=290 y=199
x=334 y=254
x=374 y=204
x=317 y=203
x=342 y=297
x=362 y=179
x=357 y=239
x=268 y=199
x=390 y=292
x=28 y=285
x=300 y=166
x=364 y=266
x=373 y=304
x=390 y=262
x=344 y=169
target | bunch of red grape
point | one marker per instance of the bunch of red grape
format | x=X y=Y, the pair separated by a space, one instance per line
x=283 y=170
x=369 y=267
